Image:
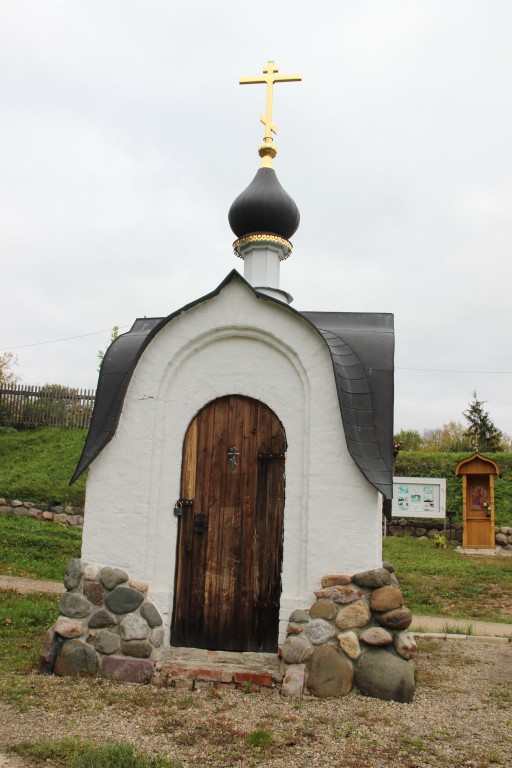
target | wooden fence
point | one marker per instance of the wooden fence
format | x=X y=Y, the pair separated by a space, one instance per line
x=48 y=406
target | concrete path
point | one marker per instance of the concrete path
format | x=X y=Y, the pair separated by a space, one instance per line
x=470 y=627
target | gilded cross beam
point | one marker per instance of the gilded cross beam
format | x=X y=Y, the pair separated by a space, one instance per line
x=269 y=77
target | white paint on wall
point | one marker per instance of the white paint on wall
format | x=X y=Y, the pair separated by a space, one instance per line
x=233 y=343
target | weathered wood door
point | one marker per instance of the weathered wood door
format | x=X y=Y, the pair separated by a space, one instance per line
x=230 y=532
x=479 y=525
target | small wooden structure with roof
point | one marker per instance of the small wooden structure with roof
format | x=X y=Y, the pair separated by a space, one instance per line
x=478 y=473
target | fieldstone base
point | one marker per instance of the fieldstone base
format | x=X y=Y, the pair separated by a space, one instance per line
x=107 y=627
x=353 y=633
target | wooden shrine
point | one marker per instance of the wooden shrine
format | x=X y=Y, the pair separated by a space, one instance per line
x=478 y=473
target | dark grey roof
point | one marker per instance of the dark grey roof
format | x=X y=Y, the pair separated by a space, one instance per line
x=264 y=207
x=362 y=350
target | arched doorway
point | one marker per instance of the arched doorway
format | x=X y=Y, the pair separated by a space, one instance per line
x=230 y=532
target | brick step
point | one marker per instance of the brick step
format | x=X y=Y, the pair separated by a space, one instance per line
x=193 y=668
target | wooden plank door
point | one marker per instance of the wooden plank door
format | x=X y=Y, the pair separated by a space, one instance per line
x=479 y=522
x=230 y=533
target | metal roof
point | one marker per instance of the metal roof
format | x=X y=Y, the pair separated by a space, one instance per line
x=362 y=351
x=265 y=206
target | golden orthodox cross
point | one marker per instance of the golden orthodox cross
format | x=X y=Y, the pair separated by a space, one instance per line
x=270 y=77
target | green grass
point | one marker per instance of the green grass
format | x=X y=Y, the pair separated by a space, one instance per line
x=24 y=620
x=37 y=464
x=259 y=738
x=75 y=753
x=442 y=582
x=35 y=549
x=455 y=629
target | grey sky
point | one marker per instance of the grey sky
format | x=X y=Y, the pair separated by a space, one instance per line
x=124 y=138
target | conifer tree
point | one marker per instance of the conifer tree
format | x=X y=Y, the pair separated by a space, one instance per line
x=484 y=435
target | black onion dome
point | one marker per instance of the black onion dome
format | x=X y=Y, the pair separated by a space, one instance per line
x=264 y=208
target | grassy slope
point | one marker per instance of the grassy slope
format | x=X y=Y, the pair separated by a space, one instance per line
x=420 y=464
x=36 y=465
x=37 y=550
x=24 y=620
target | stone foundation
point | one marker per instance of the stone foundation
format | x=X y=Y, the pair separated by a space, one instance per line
x=107 y=627
x=353 y=635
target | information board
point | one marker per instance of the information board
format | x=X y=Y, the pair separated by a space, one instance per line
x=419 y=497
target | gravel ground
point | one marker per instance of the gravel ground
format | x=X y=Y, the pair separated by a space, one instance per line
x=461 y=717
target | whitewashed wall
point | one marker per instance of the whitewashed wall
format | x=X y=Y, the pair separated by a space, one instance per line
x=235 y=343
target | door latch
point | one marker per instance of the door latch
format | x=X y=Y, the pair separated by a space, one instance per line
x=200 y=522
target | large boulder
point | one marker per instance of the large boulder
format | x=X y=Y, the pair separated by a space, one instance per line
x=385 y=599
x=106 y=641
x=349 y=644
x=123 y=600
x=112 y=577
x=74 y=606
x=405 y=645
x=49 y=651
x=134 y=627
x=382 y=674
x=398 y=618
x=149 y=612
x=319 y=631
x=73 y=574
x=378 y=577
x=296 y=649
x=330 y=672
x=293 y=681
x=353 y=615
x=323 y=609
x=76 y=659
x=127 y=670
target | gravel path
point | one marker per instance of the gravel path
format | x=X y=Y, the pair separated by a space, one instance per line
x=461 y=718
x=11 y=761
x=24 y=586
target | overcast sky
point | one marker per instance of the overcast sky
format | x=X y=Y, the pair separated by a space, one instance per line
x=125 y=137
